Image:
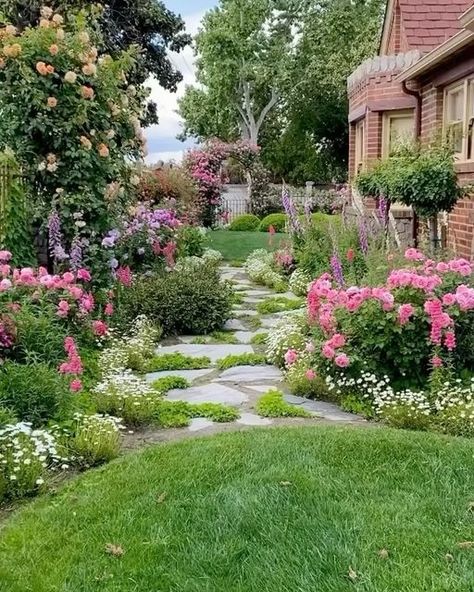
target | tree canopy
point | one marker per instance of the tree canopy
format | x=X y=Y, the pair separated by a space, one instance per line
x=288 y=61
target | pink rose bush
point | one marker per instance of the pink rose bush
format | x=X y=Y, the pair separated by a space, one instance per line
x=419 y=318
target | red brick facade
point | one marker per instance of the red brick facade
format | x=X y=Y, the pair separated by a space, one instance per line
x=426 y=47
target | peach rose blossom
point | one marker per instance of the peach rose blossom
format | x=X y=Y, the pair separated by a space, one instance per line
x=12 y=51
x=89 y=70
x=60 y=34
x=44 y=23
x=42 y=68
x=50 y=69
x=46 y=12
x=84 y=37
x=11 y=30
x=86 y=142
x=58 y=19
x=52 y=102
x=54 y=49
x=70 y=77
x=110 y=135
x=87 y=92
x=104 y=152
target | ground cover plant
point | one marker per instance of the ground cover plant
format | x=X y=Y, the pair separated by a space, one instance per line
x=272 y=404
x=417 y=541
x=249 y=359
x=278 y=304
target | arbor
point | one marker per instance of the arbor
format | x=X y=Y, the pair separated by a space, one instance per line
x=243 y=51
x=147 y=24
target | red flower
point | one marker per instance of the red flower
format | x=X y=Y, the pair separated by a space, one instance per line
x=350 y=255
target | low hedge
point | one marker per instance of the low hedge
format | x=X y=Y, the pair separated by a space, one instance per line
x=245 y=222
x=278 y=221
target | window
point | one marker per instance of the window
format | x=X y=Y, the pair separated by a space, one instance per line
x=359 y=146
x=398 y=129
x=459 y=118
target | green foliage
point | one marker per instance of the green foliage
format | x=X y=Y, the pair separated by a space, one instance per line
x=278 y=221
x=250 y=359
x=191 y=301
x=168 y=383
x=405 y=416
x=302 y=386
x=16 y=231
x=354 y=404
x=217 y=337
x=423 y=177
x=7 y=416
x=278 y=304
x=191 y=241
x=245 y=222
x=176 y=414
x=272 y=404
x=259 y=339
x=40 y=336
x=34 y=392
x=177 y=361
x=456 y=420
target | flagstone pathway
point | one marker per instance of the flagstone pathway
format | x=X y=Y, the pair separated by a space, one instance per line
x=240 y=386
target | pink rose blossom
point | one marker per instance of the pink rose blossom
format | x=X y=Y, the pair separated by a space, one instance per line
x=328 y=352
x=405 y=312
x=449 y=299
x=63 y=308
x=342 y=361
x=76 y=385
x=109 y=309
x=68 y=277
x=290 y=357
x=414 y=255
x=5 y=256
x=5 y=285
x=99 y=328
x=310 y=374
x=84 y=275
x=337 y=341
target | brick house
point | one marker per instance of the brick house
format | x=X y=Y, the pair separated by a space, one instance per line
x=421 y=83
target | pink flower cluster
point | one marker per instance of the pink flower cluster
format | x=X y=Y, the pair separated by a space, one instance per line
x=73 y=366
x=427 y=277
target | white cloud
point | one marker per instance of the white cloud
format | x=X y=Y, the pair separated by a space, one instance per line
x=162 y=137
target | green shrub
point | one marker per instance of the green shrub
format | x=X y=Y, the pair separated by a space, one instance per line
x=177 y=414
x=245 y=222
x=182 y=302
x=40 y=337
x=278 y=221
x=272 y=404
x=278 y=304
x=191 y=241
x=177 y=361
x=300 y=384
x=35 y=393
x=456 y=419
x=7 y=417
x=215 y=412
x=249 y=359
x=259 y=339
x=358 y=406
x=168 y=383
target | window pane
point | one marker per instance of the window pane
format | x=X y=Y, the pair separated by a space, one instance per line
x=401 y=132
x=456 y=105
x=456 y=136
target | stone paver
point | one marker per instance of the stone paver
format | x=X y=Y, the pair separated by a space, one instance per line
x=244 y=312
x=243 y=374
x=200 y=423
x=187 y=374
x=213 y=351
x=250 y=419
x=258 y=388
x=209 y=393
x=234 y=325
x=270 y=321
x=328 y=411
x=246 y=336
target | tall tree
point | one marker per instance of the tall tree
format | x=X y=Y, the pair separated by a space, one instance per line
x=243 y=51
x=122 y=23
x=295 y=56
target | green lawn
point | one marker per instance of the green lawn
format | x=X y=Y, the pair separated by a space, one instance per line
x=279 y=510
x=236 y=246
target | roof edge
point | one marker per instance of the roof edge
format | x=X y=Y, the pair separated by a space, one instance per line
x=385 y=37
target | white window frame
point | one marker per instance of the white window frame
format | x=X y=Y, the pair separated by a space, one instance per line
x=388 y=116
x=467 y=148
x=359 y=151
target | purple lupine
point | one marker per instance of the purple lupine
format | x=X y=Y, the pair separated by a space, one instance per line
x=76 y=253
x=336 y=267
x=290 y=210
x=55 y=237
x=363 y=237
x=382 y=210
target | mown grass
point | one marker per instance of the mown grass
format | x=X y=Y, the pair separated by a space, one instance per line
x=277 y=510
x=238 y=245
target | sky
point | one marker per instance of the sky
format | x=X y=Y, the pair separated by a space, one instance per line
x=162 y=142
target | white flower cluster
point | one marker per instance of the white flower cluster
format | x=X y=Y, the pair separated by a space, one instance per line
x=299 y=282
x=132 y=350
x=288 y=333
x=25 y=456
x=96 y=438
x=455 y=409
x=259 y=269
x=194 y=263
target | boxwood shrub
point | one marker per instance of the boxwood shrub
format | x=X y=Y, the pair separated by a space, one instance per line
x=190 y=301
x=278 y=221
x=245 y=222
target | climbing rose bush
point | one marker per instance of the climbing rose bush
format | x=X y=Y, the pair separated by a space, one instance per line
x=73 y=122
x=420 y=318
